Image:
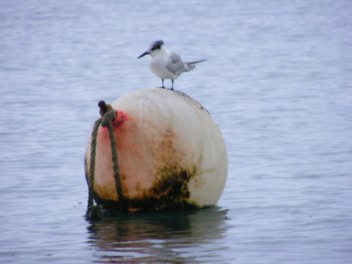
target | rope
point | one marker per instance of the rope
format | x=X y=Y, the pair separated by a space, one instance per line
x=107 y=116
x=92 y=161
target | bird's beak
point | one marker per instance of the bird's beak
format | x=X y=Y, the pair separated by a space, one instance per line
x=143 y=54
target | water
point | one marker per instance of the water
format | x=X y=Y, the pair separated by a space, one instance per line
x=277 y=81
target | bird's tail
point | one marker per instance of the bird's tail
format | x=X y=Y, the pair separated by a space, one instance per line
x=191 y=65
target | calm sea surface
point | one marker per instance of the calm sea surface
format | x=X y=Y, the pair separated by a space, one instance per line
x=277 y=81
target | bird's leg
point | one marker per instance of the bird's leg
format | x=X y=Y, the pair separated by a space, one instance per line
x=172 y=84
x=162 y=84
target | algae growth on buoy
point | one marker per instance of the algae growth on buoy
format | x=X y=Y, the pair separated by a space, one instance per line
x=171 y=154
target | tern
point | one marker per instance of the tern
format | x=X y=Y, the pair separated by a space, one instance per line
x=166 y=64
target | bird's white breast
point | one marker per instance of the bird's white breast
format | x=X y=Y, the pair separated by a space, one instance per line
x=158 y=64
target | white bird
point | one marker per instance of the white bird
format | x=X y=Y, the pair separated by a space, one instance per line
x=166 y=64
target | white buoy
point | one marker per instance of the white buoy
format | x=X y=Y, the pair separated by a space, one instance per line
x=171 y=154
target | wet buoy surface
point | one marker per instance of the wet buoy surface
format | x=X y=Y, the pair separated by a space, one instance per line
x=171 y=154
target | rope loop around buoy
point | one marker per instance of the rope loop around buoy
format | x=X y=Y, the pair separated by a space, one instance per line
x=108 y=114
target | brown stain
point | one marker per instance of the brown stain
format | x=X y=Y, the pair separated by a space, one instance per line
x=104 y=191
x=171 y=149
x=169 y=192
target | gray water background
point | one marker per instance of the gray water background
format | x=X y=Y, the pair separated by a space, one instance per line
x=277 y=81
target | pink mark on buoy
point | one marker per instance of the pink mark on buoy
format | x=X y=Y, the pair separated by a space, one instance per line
x=119 y=119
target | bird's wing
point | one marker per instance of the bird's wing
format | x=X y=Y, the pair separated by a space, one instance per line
x=175 y=64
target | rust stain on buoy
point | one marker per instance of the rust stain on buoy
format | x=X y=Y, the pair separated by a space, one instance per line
x=169 y=192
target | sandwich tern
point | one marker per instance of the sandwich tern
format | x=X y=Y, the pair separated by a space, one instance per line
x=166 y=64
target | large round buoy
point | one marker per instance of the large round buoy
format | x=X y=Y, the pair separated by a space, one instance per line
x=170 y=154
